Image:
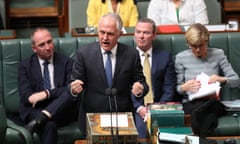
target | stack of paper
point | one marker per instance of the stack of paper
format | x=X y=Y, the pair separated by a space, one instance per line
x=206 y=87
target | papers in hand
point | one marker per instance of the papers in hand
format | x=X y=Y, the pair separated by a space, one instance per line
x=206 y=88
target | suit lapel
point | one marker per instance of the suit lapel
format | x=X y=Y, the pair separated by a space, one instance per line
x=99 y=64
x=56 y=70
x=36 y=69
x=154 y=62
x=119 y=61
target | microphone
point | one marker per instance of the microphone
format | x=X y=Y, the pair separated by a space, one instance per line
x=114 y=93
x=108 y=92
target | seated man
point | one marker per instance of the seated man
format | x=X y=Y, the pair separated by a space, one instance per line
x=158 y=69
x=45 y=104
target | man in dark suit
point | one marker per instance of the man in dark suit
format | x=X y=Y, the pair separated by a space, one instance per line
x=45 y=101
x=162 y=77
x=90 y=67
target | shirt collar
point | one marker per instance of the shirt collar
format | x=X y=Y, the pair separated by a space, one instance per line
x=141 y=52
x=113 y=50
x=41 y=61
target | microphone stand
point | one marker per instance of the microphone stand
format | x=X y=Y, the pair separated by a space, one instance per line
x=108 y=92
x=114 y=93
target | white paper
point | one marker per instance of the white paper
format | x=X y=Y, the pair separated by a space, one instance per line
x=121 y=121
x=206 y=88
x=179 y=138
x=232 y=104
x=192 y=139
x=171 y=137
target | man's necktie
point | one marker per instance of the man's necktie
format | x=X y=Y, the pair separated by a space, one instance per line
x=108 y=68
x=147 y=73
x=46 y=77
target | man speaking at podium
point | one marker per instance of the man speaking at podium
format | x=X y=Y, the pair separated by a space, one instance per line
x=103 y=65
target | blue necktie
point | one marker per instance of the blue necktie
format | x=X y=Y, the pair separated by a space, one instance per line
x=108 y=68
x=46 y=78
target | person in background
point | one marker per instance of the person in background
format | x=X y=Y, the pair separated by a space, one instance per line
x=182 y=12
x=107 y=64
x=45 y=103
x=197 y=59
x=162 y=77
x=127 y=10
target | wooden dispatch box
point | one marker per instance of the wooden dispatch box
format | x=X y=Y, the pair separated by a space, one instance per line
x=102 y=135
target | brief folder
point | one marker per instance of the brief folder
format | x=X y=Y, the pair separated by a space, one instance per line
x=164 y=118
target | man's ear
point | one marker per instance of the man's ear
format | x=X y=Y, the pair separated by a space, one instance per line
x=34 y=49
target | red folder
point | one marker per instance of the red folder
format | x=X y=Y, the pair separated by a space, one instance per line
x=169 y=29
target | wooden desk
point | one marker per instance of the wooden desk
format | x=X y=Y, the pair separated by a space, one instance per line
x=146 y=141
x=7 y=34
x=230 y=6
x=74 y=33
x=231 y=10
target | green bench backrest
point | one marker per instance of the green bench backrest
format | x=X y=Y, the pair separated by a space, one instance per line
x=10 y=60
x=13 y=51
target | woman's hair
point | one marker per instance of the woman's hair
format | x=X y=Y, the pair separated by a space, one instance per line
x=196 y=34
x=135 y=1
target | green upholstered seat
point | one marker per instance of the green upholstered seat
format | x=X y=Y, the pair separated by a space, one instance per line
x=13 y=51
x=3 y=124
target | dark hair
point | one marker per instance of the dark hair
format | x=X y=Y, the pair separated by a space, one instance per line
x=40 y=28
x=135 y=1
x=148 y=20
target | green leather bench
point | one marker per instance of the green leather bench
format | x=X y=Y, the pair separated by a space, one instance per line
x=13 y=51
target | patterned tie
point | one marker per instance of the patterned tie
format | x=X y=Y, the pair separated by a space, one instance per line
x=147 y=73
x=46 y=78
x=108 y=68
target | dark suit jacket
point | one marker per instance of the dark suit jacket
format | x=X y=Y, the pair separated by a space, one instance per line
x=89 y=67
x=163 y=76
x=30 y=81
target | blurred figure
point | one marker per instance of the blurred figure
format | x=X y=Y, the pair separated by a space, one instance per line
x=200 y=58
x=127 y=10
x=182 y=12
x=1 y=22
x=162 y=77
x=107 y=64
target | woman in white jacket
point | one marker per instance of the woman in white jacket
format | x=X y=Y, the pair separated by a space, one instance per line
x=182 y=12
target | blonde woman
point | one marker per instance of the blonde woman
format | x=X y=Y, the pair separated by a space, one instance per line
x=200 y=58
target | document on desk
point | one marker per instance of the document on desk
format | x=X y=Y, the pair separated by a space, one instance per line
x=120 y=120
x=232 y=105
x=206 y=88
x=177 y=138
